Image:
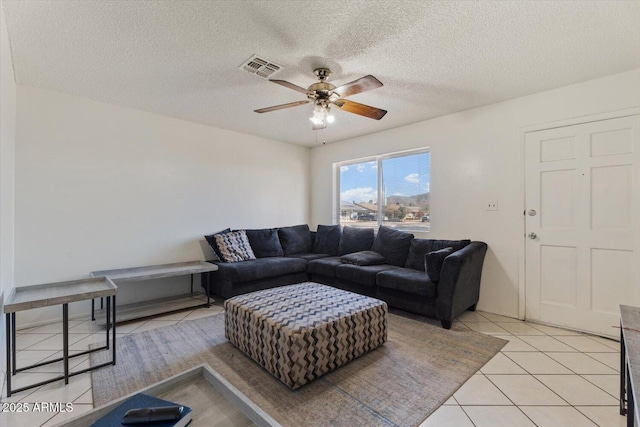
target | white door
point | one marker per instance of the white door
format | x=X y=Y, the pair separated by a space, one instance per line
x=582 y=186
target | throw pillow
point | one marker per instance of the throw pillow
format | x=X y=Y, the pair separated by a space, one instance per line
x=363 y=258
x=455 y=244
x=265 y=242
x=355 y=239
x=421 y=247
x=295 y=239
x=393 y=245
x=212 y=242
x=234 y=246
x=327 y=240
x=434 y=261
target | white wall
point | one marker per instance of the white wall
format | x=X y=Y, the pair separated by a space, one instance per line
x=100 y=186
x=7 y=171
x=476 y=157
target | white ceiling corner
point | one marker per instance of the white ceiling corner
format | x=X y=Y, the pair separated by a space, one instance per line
x=181 y=58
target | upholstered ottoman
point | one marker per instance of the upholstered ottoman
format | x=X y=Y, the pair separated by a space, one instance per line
x=300 y=332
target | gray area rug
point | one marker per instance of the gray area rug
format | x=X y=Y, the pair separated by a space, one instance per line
x=399 y=384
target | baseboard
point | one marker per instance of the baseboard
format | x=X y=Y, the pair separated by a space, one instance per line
x=510 y=315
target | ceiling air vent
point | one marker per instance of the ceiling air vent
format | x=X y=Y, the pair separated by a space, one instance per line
x=260 y=66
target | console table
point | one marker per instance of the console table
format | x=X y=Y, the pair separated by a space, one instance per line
x=60 y=293
x=164 y=305
x=629 y=362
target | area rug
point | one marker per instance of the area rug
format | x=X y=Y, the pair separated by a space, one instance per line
x=398 y=384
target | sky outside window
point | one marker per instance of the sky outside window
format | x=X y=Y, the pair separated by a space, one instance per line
x=359 y=182
x=402 y=176
x=406 y=175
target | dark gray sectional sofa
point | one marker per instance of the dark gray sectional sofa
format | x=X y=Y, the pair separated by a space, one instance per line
x=434 y=278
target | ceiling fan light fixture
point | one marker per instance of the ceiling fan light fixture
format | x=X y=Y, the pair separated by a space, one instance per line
x=319 y=115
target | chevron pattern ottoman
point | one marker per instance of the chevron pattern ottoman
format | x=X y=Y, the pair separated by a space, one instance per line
x=300 y=332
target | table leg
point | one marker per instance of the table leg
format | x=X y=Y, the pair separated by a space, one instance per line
x=65 y=341
x=192 y=283
x=623 y=375
x=93 y=312
x=108 y=319
x=8 y=332
x=113 y=307
x=630 y=403
x=208 y=290
x=13 y=338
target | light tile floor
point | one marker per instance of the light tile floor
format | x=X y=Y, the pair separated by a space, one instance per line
x=544 y=376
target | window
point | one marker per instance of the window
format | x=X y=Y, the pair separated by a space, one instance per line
x=391 y=190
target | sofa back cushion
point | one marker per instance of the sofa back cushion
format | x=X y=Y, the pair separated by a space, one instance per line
x=327 y=240
x=420 y=247
x=295 y=239
x=212 y=242
x=355 y=239
x=265 y=242
x=234 y=246
x=393 y=245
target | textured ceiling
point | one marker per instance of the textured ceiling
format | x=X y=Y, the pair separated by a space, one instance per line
x=181 y=58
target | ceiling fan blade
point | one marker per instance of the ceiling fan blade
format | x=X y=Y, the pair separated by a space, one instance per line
x=290 y=85
x=281 y=106
x=361 y=109
x=357 y=86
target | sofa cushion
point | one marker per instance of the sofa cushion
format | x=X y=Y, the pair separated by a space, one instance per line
x=295 y=239
x=324 y=266
x=257 y=269
x=363 y=258
x=434 y=261
x=234 y=246
x=407 y=280
x=309 y=257
x=421 y=247
x=363 y=275
x=355 y=239
x=393 y=245
x=265 y=242
x=212 y=241
x=327 y=239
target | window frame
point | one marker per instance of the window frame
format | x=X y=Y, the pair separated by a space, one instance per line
x=380 y=182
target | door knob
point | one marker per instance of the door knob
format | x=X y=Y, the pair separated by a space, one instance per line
x=532 y=212
x=532 y=235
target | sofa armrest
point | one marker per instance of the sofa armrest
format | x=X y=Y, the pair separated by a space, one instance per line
x=459 y=286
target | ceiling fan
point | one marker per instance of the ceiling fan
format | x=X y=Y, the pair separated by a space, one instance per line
x=324 y=94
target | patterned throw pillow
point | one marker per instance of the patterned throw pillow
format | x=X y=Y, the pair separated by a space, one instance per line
x=211 y=239
x=234 y=246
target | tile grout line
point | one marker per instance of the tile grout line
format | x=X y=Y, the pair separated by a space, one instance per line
x=573 y=373
x=517 y=406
